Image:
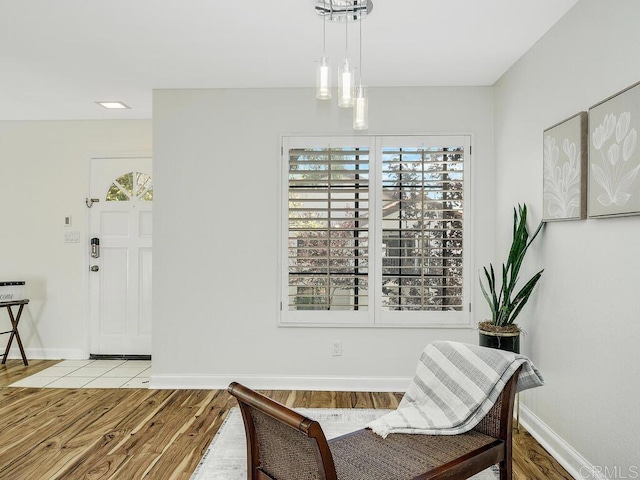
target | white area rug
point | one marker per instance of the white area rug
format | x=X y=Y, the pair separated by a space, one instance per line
x=226 y=457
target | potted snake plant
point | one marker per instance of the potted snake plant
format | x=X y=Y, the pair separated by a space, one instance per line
x=504 y=300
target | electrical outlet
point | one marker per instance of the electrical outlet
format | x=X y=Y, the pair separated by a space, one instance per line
x=336 y=348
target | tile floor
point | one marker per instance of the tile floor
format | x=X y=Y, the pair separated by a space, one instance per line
x=91 y=374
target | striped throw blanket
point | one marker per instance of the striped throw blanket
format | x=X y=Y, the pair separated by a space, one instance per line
x=454 y=387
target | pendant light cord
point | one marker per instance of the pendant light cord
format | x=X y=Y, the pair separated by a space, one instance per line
x=346 y=36
x=360 y=24
x=324 y=29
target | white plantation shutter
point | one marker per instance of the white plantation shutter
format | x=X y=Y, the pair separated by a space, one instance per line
x=422 y=228
x=328 y=225
x=375 y=230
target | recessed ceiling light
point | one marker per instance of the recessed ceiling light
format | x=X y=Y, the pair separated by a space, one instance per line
x=113 y=105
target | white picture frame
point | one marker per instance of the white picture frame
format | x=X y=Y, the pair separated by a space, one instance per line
x=565 y=169
x=614 y=155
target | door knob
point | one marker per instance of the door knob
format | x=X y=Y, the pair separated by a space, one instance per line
x=95 y=268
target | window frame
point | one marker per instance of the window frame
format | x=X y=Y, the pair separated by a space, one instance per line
x=374 y=315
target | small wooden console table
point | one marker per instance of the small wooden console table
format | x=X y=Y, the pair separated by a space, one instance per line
x=14 y=327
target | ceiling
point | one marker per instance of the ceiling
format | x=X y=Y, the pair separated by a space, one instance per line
x=58 y=57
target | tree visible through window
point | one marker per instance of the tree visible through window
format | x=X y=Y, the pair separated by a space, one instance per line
x=132 y=185
x=422 y=225
x=328 y=229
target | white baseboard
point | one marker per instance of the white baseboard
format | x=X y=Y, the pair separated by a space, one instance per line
x=267 y=382
x=574 y=463
x=49 y=354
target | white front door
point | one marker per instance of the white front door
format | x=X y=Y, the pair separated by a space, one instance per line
x=120 y=277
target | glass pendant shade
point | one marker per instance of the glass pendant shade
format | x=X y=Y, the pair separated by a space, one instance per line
x=345 y=85
x=323 y=79
x=361 y=109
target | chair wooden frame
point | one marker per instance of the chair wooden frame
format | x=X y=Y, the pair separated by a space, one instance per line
x=498 y=424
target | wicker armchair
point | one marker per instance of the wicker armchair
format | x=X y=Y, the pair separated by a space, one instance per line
x=284 y=445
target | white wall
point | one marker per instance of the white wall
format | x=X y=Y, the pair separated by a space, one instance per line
x=44 y=169
x=217 y=163
x=584 y=326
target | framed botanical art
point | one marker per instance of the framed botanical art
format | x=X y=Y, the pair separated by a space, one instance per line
x=565 y=169
x=614 y=160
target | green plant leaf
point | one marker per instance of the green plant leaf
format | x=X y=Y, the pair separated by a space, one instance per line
x=492 y=304
x=505 y=306
x=522 y=296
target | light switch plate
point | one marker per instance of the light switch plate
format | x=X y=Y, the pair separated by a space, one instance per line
x=72 y=237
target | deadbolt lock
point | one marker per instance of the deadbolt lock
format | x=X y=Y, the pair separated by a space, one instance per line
x=95 y=268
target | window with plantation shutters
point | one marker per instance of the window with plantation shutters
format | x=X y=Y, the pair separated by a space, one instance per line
x=374 y=230
x=328 y=225
x=422 y=228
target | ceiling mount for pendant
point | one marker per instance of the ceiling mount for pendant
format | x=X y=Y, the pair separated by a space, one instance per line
x=344 y=10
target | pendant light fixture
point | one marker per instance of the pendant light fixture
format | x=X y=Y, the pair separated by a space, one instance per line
x=348 y=95
x=323 y=75
x=361 y=102
x=345 y=73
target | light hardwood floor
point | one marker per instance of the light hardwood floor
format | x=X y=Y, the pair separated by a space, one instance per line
x=153 y=434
